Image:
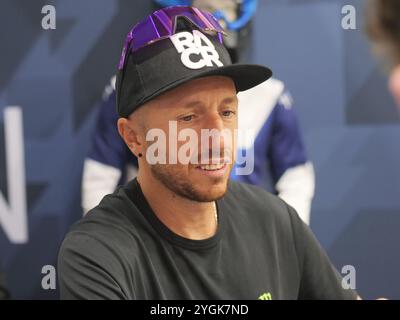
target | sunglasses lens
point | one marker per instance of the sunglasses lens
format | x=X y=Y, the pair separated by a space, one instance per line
x=161 y=24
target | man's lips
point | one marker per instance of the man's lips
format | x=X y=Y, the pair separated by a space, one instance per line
x=213 y=164
x=212 y=167
x=213 y=170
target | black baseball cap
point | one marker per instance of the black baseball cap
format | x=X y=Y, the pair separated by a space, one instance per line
x=166 y=64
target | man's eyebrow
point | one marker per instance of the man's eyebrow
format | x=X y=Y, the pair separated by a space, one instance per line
x=229 y=100
x=193 y=104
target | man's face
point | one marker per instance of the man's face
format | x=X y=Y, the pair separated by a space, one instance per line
x=394 y=84
x=206 y=103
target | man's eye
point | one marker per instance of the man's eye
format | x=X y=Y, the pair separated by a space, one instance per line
x=187 y=118
x=228 y=113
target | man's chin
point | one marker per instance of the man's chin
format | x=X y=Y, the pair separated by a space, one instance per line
x=193 y=187
x=212 y=192
x=204 y=191
x=207 y=197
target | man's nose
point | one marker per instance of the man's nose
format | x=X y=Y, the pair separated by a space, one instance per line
x=214 y=121
x=217 y=136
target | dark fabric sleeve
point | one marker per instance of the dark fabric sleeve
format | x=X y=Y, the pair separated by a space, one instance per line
x=286 y=148
x=86 y=270
x=319 y=278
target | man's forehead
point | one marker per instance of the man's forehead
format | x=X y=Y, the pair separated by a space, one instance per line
x=198 y=88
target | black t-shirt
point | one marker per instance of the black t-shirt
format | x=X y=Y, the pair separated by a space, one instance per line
x=262 y=249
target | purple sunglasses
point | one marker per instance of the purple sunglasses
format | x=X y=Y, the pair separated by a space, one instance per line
x=161 y=24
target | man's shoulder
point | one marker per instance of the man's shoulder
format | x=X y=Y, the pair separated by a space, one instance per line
x=97 y=251
x=111 y=224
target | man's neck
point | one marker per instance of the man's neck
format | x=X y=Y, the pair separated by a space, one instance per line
x=189 y=219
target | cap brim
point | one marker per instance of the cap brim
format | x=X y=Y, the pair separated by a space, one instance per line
x=245 y=76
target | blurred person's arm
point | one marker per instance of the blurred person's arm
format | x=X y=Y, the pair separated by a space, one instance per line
x=98 y=180
x=292 y=173
x=104 y=167
x=296 y=187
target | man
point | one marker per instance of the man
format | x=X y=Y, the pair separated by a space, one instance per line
x=383 y=25
x=281 y=165
x=182 y=230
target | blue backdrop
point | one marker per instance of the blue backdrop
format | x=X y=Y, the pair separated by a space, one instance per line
x=350 y=123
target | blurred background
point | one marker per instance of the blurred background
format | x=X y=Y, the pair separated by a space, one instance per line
x=350 y=124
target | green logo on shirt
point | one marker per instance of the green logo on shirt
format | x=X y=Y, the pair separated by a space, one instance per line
x=265 y=296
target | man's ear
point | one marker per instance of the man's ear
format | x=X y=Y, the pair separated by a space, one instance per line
x=131 y=135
